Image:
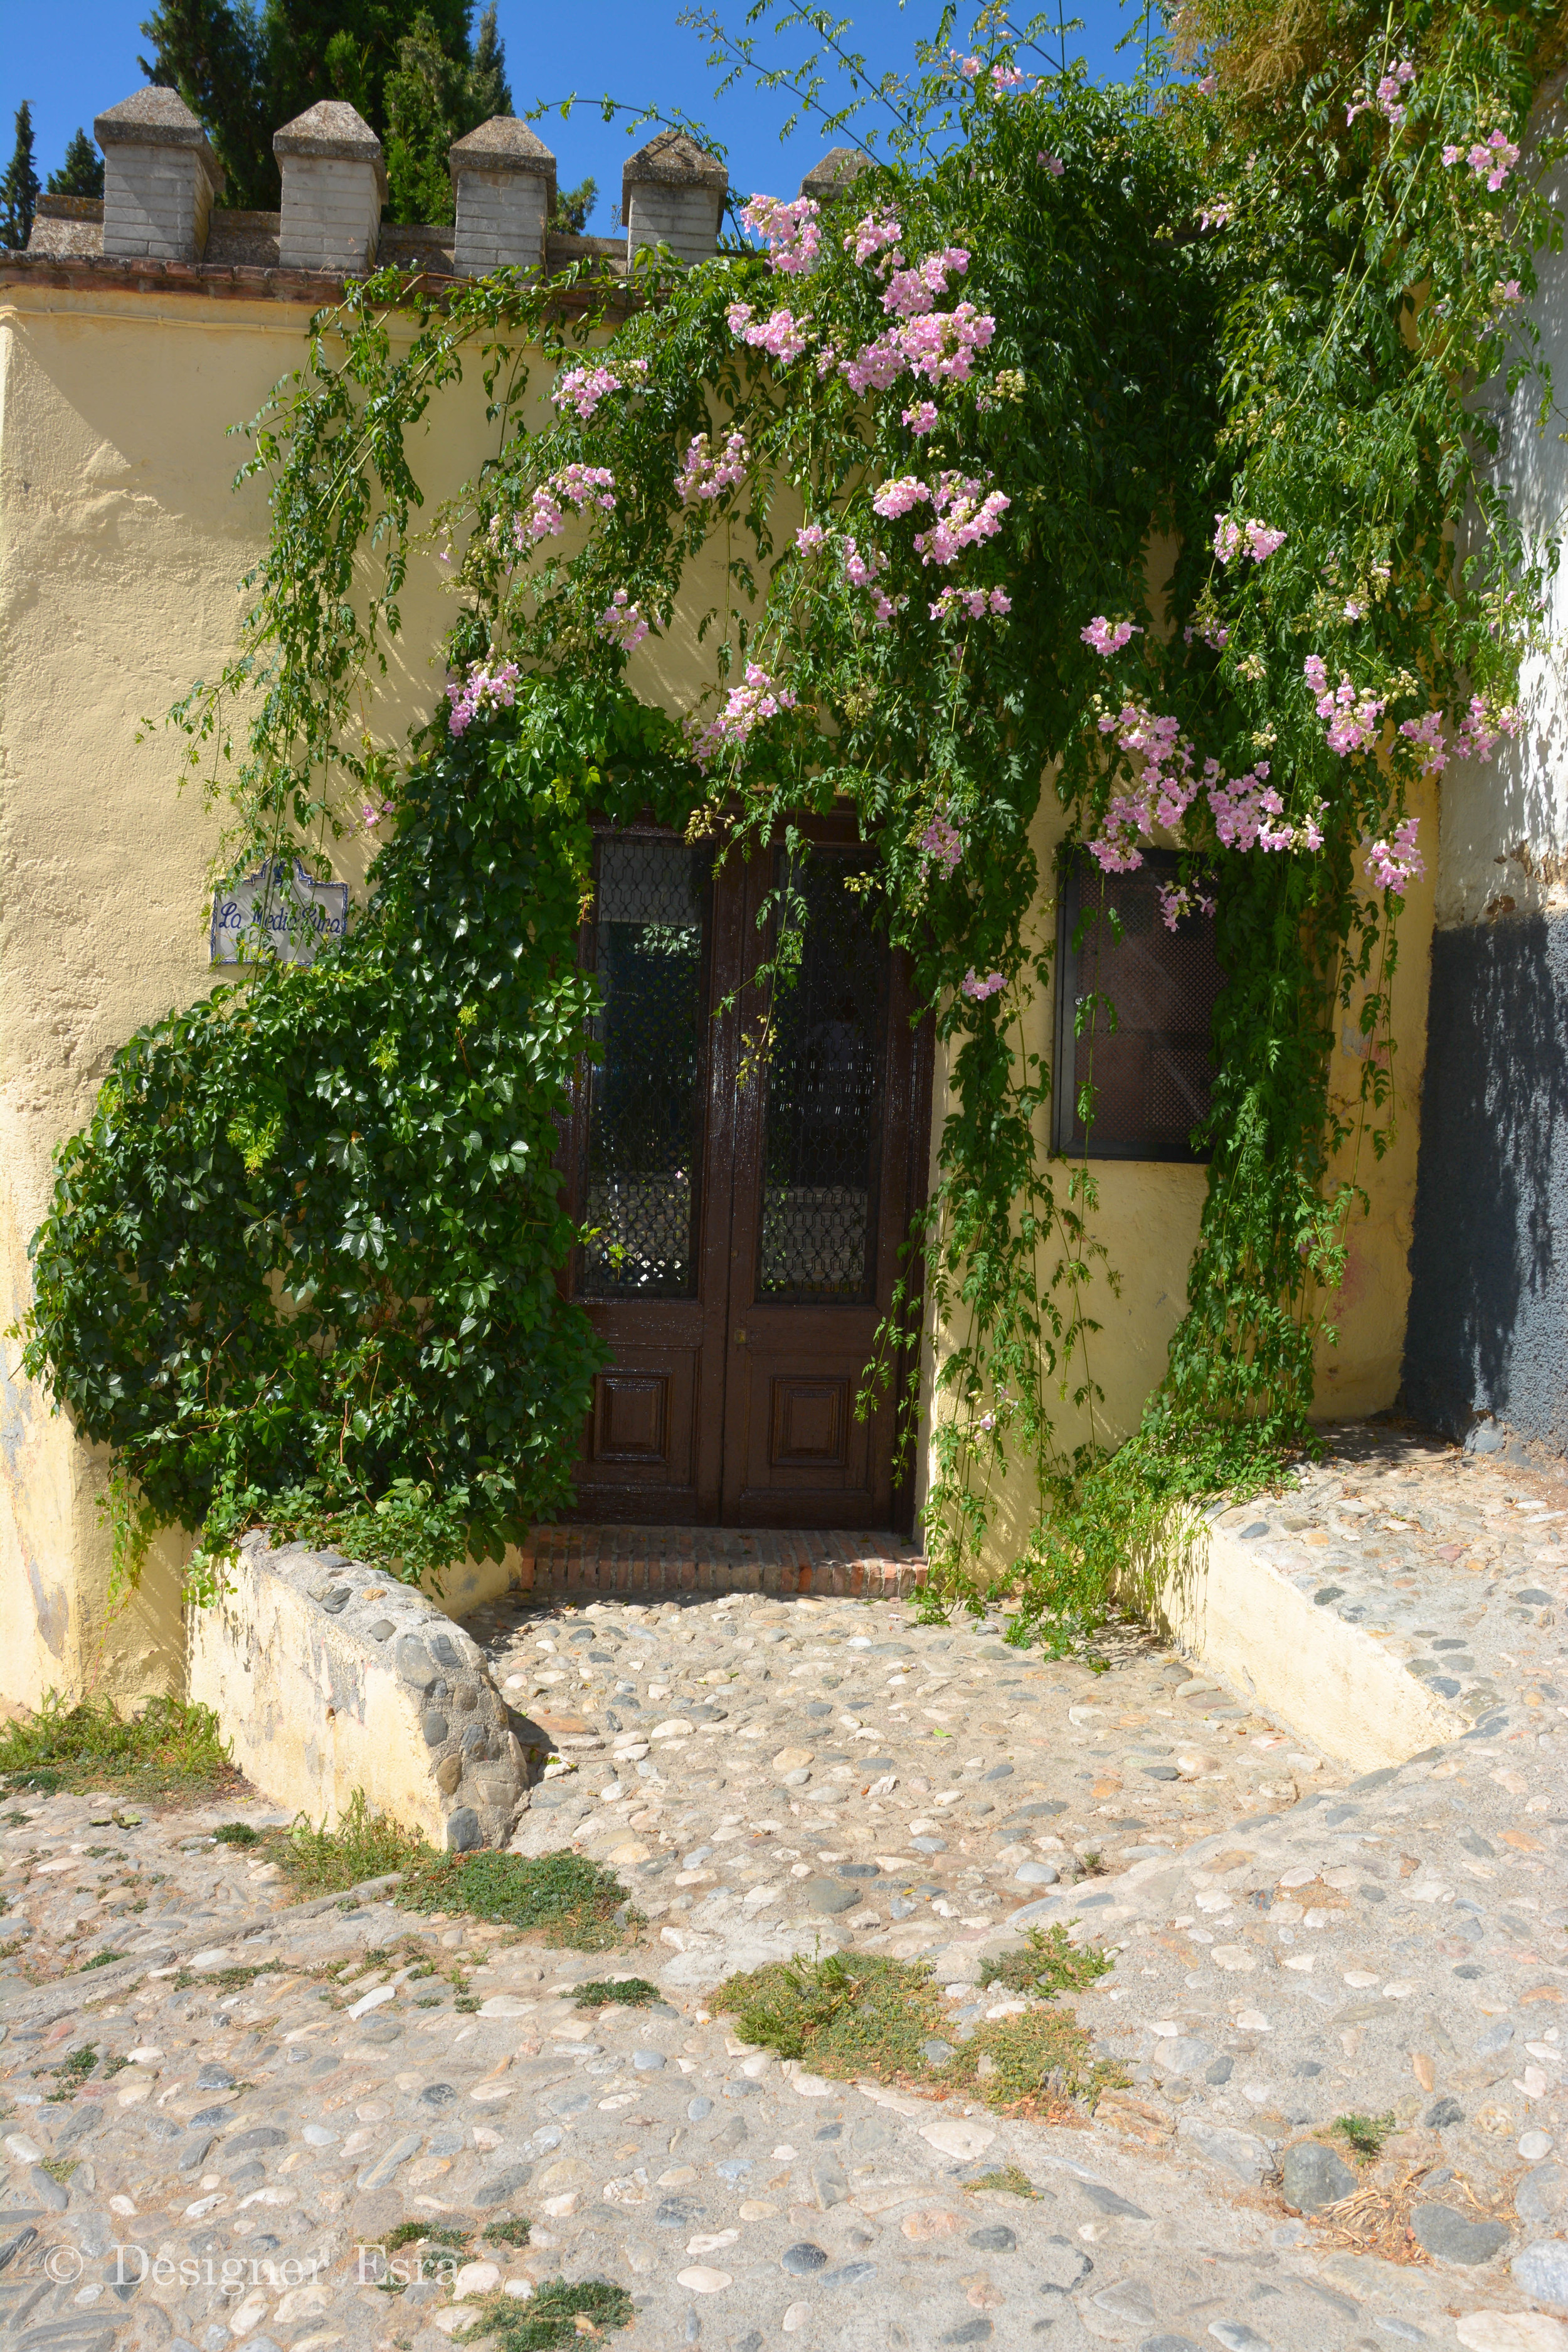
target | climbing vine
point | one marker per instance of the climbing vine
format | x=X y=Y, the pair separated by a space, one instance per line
x=1116 y=444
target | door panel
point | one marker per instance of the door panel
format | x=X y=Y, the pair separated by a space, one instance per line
x=650 y=1177
x=821 y=1204
x=747 y=1207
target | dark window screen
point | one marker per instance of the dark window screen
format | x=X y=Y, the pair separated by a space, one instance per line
x=822 y=1151
x=1152 y=1073
x=644 y=1103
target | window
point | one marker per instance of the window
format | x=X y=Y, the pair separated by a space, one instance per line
x=1151 y=1072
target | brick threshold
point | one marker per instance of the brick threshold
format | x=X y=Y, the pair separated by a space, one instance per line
x=629 y=1562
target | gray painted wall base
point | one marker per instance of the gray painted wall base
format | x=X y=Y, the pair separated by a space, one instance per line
x=1488 y=1328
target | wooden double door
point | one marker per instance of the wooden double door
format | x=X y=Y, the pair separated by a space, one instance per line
x=747 y=1160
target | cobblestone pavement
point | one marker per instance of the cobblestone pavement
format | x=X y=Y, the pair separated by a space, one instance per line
x=771 y=1775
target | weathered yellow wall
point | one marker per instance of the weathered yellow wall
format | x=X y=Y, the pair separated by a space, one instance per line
x=122 y=543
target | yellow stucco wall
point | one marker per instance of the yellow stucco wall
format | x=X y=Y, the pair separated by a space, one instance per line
x=122 y=542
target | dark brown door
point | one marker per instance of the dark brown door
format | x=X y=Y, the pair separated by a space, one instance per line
x=748 y=1204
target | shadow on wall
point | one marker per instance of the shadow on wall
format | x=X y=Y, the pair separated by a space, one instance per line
x=1488 y=1329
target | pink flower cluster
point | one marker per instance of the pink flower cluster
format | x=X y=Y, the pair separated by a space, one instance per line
x=973 y=601
x=585 y=387
x=374 y=813
x=1491 y=161
x=1214 y=634
x=1482 y=729
x=1352 y=721
x=809 y=537
x=1253 y=538
x=704 y=476
x=861 y=570
x=789 y=231
x=1107 y=637
x=978 y=990
x=621 y=622
x=579 y=486
x=1394 y=865
x=1389 y=96
x=896 y=497
x=1247 y=809
x=1215 y=217
x=1051 y=163
x=1176 y=901
x=480 y=695
x=912 y=292
x=777 y=334
x=940 y=346
x=963 y=519
x=922 y=419
x=745 y=707
x=872 y=235
x=1426 y=734
x=940 y=846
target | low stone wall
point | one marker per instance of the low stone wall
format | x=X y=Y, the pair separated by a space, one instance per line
x=328 y=1678
x=1236 y=1610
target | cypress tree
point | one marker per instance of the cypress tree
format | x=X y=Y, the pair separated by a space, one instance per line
x=19 y=188
x=81 y=173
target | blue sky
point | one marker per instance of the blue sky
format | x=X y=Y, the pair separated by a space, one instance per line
x=75 y=57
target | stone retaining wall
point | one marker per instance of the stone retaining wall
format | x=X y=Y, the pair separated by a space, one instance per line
x=328 y=1678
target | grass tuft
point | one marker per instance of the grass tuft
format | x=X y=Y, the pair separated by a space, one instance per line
x=853 y=2014
x=508 y=2231
x=237 y=1833
x=1046 y=1964
x=1011 y=2181
x=1364 y=2134
x=566 y=1897
x=171 y=1745
x=631 y=1992
x=553 y=2317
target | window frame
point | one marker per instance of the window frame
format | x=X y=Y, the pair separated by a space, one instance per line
x=1074 y=866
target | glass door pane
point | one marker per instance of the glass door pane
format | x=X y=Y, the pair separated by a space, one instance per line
x=644 y=1140
x=824 y=1117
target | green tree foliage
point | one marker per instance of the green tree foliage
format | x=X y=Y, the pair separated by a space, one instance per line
x=574 y=208
x=431 y=100
x=81 y=173
x=243 y=72
x=19 y=188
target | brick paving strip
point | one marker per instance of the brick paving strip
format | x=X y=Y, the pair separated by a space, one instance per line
x=777 y=1767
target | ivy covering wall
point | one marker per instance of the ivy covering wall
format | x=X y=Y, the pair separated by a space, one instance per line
x=302 y=1265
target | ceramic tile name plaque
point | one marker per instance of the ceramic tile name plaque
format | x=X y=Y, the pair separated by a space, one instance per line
x=274 y=912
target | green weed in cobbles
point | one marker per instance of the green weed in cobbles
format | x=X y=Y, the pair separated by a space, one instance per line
x=547 y=2322
x=72 y=2072
x=364 y=1845
x=237 y=1833
x=1009 y=2180
x=510 y=2230
x=853 y=2014
x=630 y=1992
x=562 y=1897
x=171 y=1745
x=1046 y=1964
x=1364 y=2134
x=101 y=1960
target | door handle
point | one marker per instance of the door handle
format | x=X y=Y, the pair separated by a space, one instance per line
x=740 y=1335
